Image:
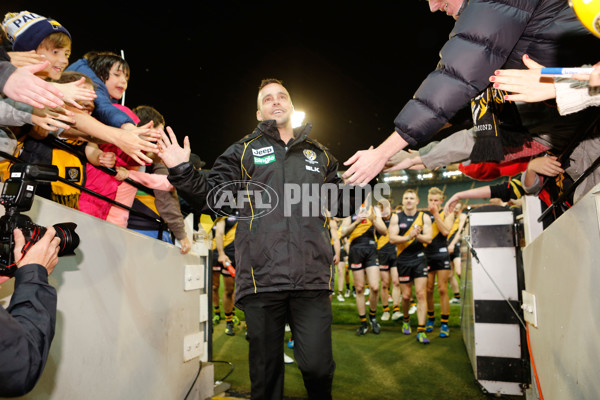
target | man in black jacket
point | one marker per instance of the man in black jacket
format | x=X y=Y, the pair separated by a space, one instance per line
x=276 y=175
x=29 y=321
x=488 y=35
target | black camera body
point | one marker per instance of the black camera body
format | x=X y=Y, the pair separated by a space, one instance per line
x=18 y=195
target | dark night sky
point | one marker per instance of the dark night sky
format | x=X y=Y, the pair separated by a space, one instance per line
x=351 y=66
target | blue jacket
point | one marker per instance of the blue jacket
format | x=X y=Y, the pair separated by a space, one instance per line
x=104 y=111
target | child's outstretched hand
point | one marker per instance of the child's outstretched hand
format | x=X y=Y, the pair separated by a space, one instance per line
x=107 y=159
x=73 y=92
x=136 y=142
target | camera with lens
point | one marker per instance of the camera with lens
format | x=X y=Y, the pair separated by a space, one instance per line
x=17 y=195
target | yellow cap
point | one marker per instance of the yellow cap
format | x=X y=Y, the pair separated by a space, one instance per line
x=588 y=12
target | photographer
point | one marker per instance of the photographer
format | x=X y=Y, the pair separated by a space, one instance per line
x=27 y=325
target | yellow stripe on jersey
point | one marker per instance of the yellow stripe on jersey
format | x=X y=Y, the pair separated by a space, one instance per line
x=434 y=228
x=360 y=229
x=382 y=240
x=400 y=247
x=455 y=226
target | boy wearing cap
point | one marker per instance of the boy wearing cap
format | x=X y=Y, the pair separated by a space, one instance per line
x=29 y=31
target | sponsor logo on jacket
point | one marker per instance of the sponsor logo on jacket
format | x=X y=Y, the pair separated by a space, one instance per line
x=264 y=160
x=263 y=151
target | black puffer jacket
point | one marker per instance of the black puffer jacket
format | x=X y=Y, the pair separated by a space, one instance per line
x=277 y=246
x=487 y=36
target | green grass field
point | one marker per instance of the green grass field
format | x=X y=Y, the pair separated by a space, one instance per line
x=385 y=366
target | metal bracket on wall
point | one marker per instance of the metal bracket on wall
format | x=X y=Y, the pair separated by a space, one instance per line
x=529 y=308
x=193 y=346
x=194 y=277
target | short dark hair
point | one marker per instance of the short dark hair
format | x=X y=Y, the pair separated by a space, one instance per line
x=147 y=114
x=268 y=81
x=102 y=62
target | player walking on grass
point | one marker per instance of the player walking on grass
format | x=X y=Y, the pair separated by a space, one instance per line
x=386 y=255
x=409 y=230
x=360 y=229
x=438 y=261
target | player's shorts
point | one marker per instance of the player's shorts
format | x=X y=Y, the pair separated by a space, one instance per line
x=440 y=263
x=362 y=256
x=386 y=259
x=408 y=271
x=216 y=267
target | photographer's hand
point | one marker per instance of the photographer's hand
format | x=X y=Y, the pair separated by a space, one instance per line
x=44 y=252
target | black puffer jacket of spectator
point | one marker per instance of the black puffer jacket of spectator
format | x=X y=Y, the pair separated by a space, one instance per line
x=487 y=36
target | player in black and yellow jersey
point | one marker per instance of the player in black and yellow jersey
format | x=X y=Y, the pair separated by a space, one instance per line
x=454 y=238
x=409 y=230
x=438 y=261
x=224 y=238
x=360 y=229
x=386 y=256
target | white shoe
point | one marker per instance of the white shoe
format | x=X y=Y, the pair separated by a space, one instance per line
x=367 y=291
x=390 y=300
x=340 y=297
x=412 y=310
x=287 y=328
x=367 y=303
x=385 y=316
x=397 y=315
x=347 y=294
x=454 y=300
x=287 y=359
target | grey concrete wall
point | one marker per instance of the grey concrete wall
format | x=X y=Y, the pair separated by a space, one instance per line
x=562 y=270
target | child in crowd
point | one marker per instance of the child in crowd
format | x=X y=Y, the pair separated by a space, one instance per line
x=107 y=185
x=113 y=73
x=110 y=73
x=27 y=31
x=39 y=147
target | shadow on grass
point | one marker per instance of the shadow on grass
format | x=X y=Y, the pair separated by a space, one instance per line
x=385 y=366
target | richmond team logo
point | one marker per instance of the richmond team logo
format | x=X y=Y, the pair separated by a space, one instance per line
x=73 y=174
x=311 y=156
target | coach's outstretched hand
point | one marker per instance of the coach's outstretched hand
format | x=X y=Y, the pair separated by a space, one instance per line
x=170 y=151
